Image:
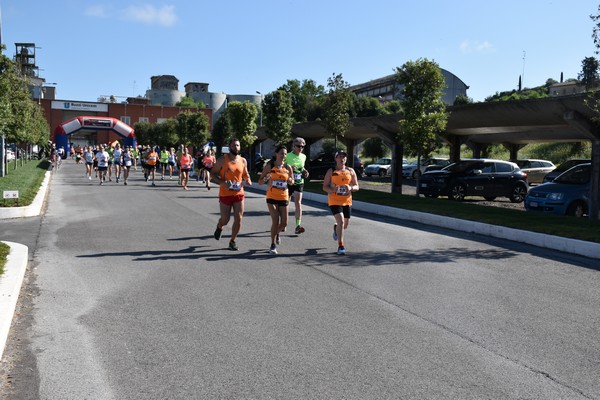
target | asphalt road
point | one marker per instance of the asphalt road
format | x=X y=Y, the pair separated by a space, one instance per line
x=129 y=296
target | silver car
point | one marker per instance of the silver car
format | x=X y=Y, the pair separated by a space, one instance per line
x=536 y=170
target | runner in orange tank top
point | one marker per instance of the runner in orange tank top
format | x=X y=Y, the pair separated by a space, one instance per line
x=339 y=183
x=278 y=175
x=230 y=172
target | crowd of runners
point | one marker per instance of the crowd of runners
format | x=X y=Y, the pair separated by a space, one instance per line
x=283 y=177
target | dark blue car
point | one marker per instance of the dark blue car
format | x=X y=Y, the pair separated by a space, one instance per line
x=568 y=194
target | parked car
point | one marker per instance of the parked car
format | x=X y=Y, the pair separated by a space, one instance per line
x=567 y=194
x=564 y=167
x=383 y=167
x=481 y=177
x=411 y=170
x=319 y=165
x=536 y=170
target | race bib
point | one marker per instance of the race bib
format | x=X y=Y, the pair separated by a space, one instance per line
x=342 y=191
x=297 y=176
x=128 y=163
x=235 y=185
x=279 y=184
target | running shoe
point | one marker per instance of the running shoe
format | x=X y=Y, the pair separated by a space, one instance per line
x=153 y=184
x=218 y=232
x=90 y=178
x=117 y=180
x=335 y=236
x=232 y=245
x=273 y=249
x=299 y=230
x=125 y=183
x=341 y=250
x=277 y=239
x=185 y=188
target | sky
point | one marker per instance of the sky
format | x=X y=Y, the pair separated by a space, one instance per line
x=113 y=47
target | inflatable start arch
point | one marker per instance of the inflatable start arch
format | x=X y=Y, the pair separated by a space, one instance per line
x=94 y=123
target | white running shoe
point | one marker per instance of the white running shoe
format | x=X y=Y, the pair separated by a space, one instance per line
x=273 y=249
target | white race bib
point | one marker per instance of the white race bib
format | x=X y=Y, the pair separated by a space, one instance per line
x=342 y=191
x=279 y=184
x=235 y=185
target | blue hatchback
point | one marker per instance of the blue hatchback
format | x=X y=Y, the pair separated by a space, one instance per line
x=568 y=194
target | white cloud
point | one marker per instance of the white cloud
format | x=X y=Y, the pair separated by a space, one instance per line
x=476 y=47
x=148 y=14
x=96 y=11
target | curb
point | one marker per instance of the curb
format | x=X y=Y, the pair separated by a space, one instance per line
x=32 y=210
x=10 y=287
x=566 y=245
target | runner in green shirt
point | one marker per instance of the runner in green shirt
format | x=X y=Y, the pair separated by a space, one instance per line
x=296 y=159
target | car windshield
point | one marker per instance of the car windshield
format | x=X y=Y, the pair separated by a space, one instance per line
x=569 y=164
x=383 y=161
x=577 y=175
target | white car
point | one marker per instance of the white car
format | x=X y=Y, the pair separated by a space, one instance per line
x=382 y=167
x=10 y=155
x=411 y=171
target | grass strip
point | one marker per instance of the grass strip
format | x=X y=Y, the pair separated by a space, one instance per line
x=558 y=225
x=26 y=178
x=4 y=250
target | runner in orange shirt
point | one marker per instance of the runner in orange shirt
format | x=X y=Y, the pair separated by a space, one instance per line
x=152 y=162
x=339 y=183
x=185 y=165
x=279 y=176
x=230 y=172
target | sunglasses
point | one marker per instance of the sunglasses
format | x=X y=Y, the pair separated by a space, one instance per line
x=300 y=146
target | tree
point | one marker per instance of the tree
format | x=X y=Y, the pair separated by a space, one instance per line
x=305 y=97
x=374 y=148
x=589 y=76
x=188 y=101
x=279 y=115
x=242 y=121
x=192 y=128
x=392 y=107
x=21 y=119
x=220 y=132
x=425 y=113
x=338 y=106
x=462 y=99
x=364 y=106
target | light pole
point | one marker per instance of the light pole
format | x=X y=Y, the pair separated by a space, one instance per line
x=261 y=98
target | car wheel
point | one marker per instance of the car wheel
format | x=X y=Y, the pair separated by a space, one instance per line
x=518 y=194
x=490 y=198
x=416 y=173
x=382 y=173
x=457 y=192
x=577 y=209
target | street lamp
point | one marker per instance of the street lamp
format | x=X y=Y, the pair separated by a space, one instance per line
x=261 y=98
